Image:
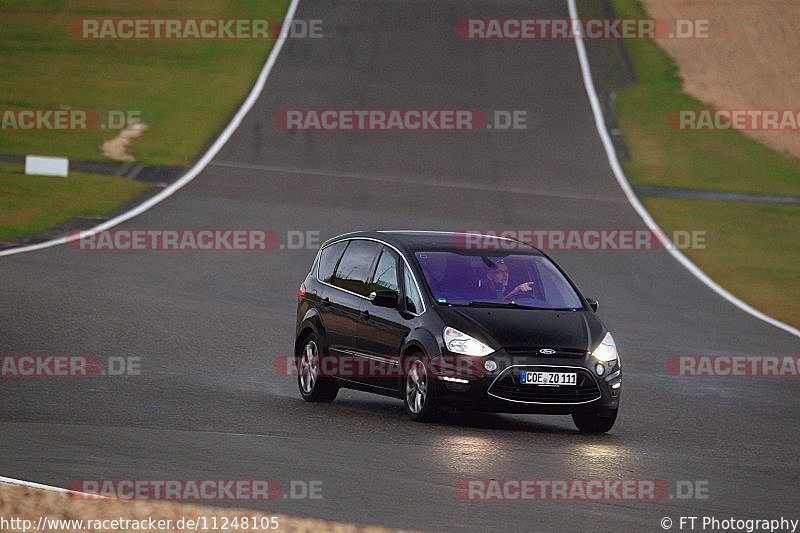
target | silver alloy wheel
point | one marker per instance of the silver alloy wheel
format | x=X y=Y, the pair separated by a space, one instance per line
x=309 y=367
x=416 y=386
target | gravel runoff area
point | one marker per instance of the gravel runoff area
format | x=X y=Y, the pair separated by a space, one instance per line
x=23 y=503
x=750 y=60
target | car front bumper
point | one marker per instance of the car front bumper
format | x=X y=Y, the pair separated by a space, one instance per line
x=463 y=381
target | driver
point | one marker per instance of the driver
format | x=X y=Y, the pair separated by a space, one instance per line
x=497 y=279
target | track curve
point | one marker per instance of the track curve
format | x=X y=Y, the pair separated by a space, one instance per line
x=209 y=325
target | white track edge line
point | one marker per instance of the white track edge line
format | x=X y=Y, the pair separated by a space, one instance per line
x=168 y=191
x=198 y=167
x=637 y=205
x=39 y=486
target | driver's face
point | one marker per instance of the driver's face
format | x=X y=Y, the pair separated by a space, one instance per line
x=499 y=275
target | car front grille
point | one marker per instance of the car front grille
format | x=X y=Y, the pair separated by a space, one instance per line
x=516 y=351
x=507 y=387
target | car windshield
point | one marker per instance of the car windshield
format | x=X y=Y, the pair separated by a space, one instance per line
x=511 y=280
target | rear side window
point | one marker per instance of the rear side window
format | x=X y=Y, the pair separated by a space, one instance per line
x=327 y=260
x=355 y=267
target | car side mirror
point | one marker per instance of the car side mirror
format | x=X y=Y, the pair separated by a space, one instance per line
x=384 y=298
x=593 y=304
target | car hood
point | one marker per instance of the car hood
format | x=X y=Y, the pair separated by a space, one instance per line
x=527 y=328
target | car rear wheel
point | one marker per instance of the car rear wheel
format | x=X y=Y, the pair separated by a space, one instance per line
x=419 y=396
x=597 y=422
x=313 y=386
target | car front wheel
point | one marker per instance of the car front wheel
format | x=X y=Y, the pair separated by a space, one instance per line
x=595 y=422
x=419 y=396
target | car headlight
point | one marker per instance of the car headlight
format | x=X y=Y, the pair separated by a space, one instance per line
x=458 y=342
x=607 y=349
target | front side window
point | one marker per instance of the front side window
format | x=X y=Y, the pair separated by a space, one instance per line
x=413 y=298
x=527 y=280
x=385 y=278
x=355 y=267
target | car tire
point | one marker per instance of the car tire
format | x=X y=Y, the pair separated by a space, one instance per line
x=313 y=387
x=419 y=390
x=595 y=422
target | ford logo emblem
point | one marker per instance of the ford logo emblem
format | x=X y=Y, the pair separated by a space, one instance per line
x=547 y=351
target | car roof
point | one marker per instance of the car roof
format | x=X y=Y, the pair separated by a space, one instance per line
x=410 y=241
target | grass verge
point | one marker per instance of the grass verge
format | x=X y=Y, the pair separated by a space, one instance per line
x=31 y=204
x=753 y=250
x=716 y=160
x=185 y=90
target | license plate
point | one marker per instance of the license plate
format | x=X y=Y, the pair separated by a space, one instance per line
x=549 y=379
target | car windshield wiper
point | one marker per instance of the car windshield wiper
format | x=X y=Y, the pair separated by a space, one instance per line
x=480 y=303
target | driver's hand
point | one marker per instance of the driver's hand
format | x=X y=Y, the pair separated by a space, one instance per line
x=522 y=287
x=525 y=287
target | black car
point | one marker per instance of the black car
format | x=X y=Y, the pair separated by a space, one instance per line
x=444 y=319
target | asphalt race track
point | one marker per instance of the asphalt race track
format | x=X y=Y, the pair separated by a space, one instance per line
x=208 y=325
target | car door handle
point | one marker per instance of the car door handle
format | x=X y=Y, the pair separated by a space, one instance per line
x=326 y=302
x=364 y=315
